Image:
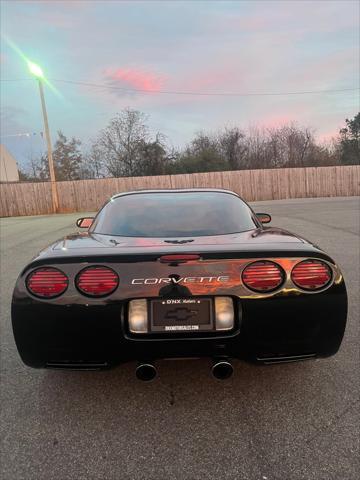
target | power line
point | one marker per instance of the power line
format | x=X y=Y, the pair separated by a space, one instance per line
x=211 y=94
x=220 y=94
x=16 y=79
x=27 y=134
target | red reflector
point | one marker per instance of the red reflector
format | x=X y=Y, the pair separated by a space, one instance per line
x=263 y=276
x=97 y=281
x=178 y=258
x=311 y=274
x=47 y=282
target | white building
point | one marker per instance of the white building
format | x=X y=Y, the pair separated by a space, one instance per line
x=8 y=168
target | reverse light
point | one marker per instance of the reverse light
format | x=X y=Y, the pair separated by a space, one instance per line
x=47 y=282
x=138 y=316
x=263 y=276
x=97 y=281
x=311 y=274
x=224 y=313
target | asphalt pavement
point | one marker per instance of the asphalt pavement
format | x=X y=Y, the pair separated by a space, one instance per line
x=294 y=421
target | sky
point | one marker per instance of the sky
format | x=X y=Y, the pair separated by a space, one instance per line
x=216 y=47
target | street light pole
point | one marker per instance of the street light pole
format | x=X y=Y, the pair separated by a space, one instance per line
x=54 y=192
x=38 y=73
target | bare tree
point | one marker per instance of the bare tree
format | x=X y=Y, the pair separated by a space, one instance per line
x=36 y=169
x=119 y=142
x=257 y=148
x=125 y=147
x=233 y=147
x=93 y=165
x=288 y=146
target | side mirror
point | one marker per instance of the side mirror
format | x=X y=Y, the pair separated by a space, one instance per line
x=84 y=222
x=264 y=217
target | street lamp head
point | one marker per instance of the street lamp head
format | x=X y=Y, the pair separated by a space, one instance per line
x=36 y=70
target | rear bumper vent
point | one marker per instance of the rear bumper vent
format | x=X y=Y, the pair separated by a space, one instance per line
x=285 y=359
x=77 y=365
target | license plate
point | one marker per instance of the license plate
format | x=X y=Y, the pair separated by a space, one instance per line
x=178 y=315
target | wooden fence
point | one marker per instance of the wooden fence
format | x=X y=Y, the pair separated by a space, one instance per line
x=88 y=195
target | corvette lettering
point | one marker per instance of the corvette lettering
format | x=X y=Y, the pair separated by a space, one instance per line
x=157 y=281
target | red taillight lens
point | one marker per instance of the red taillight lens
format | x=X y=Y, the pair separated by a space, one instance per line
x=97 y=281
x=311 y=274
x=47 y=282
x=263 y=276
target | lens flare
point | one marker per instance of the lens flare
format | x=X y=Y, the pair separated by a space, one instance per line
x=34 y=68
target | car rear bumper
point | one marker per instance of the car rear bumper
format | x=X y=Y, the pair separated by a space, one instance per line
x=269 y=330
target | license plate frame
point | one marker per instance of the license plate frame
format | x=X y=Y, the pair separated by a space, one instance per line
x=182 y=315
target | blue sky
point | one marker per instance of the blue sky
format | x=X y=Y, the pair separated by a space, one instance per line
x=198 y=46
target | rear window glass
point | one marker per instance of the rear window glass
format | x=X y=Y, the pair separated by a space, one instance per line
x=174 y=215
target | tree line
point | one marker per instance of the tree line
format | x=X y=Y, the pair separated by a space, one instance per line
x=126 y=147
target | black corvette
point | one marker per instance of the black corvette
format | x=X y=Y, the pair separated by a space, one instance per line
x=178 y=273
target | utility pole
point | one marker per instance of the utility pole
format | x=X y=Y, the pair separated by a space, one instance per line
x=54 y=192
x=38 y=73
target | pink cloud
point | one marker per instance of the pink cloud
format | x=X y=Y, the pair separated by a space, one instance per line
x=133 y=78
x=294 y=114
x=342 y=65
x=278 y=120
x=329 y=136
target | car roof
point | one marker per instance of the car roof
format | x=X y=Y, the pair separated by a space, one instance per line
x=175 y=190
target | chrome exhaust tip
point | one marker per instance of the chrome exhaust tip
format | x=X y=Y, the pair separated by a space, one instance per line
x=222 y=370
x=145 y=372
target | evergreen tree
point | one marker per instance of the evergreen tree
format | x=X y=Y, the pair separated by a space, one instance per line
x=67 y=158
x=350 y=142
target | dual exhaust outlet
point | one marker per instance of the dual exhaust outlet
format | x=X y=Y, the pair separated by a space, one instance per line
x=221 y=369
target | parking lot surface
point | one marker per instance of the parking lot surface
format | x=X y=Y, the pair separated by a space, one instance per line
x=294 y=421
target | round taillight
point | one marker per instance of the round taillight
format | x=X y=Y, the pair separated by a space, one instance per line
x=311 y=274
x=97 y=281
x=263 y=276
x=47 y=282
